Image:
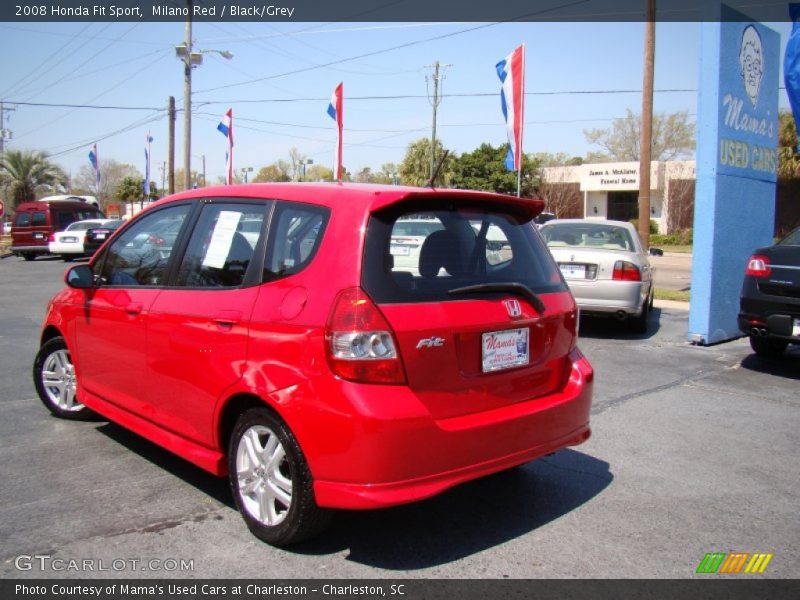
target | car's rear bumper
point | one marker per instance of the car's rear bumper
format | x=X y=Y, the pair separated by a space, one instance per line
x=399 y=461
x=770 y=315
x=609 y=297
x=31 y=249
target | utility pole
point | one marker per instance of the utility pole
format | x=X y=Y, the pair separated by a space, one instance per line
x=646 y=141
x=4 y=133
x=171 y=145
x=187 y=101
x=435 y=101
x=163 y=175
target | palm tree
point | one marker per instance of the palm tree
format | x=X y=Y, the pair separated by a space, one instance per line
x=26 y=171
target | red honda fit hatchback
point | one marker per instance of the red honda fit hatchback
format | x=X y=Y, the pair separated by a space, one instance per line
x=266 y=332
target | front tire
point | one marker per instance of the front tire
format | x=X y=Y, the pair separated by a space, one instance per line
x=56 y=384
x=768 y=347
x=270 y=480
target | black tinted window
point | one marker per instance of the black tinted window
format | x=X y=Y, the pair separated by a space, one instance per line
x=295 y=235
x=222 y=245
x=22 y=219
x=140 y=255
x=466 y=245
x=39 y=218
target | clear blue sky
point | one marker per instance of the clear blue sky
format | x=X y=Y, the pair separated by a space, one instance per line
x=129 y=64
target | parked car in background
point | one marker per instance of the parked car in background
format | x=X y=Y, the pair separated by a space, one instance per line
x=305 y=365
x=97 y=236
x=543 y=218
x=35 y=222
x=769 y=306
x=69 y=243
x=606 y=267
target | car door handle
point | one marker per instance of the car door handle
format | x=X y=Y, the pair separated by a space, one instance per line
x=227 y=318
x=134 y=308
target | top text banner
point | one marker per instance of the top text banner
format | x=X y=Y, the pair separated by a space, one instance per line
x=388 y=11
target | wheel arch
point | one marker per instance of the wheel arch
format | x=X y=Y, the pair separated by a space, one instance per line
x=230 y=411
x=50 y=332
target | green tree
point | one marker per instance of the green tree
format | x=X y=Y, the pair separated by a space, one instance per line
x=484 y=169
x=26 y=173
x=416 y=166
x=277 y=171
x=788 y=157
x=111 y=174
x=673 y=137
x=319 y=173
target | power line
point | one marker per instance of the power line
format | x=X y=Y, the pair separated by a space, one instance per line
x=392 y=48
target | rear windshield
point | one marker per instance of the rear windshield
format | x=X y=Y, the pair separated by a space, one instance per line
x=463 y=245
x=588 y=235
x=793 y=239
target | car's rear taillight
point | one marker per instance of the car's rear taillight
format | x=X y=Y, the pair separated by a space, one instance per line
x=360 y=343
x=52 y=237
x=758 y=266
x=626 y=271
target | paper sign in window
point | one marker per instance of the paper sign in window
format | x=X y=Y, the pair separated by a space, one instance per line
x=221 y=239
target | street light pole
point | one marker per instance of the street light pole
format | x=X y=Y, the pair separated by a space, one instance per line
x=187 y=100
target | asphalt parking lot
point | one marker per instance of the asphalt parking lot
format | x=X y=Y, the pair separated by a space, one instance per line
x=693 y=451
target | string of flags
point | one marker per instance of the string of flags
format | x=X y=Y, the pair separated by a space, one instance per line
x=510 y=70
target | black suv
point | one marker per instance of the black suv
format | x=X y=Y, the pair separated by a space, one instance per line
x=769 y=310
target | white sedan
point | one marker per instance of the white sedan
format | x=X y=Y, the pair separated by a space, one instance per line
x=605 y=266
x=69 y=243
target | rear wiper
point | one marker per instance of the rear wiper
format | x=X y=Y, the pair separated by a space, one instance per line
x=515 y=288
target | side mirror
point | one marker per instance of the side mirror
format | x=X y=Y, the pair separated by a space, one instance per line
x=656 y=252
x=80 y=277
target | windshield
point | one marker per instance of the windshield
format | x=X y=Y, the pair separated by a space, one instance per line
x=462 y=246
x=588 y=235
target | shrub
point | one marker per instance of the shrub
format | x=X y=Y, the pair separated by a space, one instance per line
x=683 y=237
x=653 y=226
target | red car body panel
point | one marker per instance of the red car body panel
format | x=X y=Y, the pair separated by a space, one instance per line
x=186 y=353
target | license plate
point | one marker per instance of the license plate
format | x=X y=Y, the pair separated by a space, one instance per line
x=399 y=250
x=796 y=328
x=38 y=236
x=505 y=349
x=69 y=240
x=573 y=271
x=100 y=236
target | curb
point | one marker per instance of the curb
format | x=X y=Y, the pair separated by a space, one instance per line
x=671 y=304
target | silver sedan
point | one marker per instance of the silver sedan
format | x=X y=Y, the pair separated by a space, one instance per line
x=605 y=266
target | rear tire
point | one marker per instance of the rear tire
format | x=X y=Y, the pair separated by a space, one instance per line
x=639 y=324
x=28 y=255
x=54 y=378
x=270 y=480
x=768 y=347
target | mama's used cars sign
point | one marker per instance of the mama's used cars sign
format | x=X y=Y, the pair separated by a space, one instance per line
x=748 y=97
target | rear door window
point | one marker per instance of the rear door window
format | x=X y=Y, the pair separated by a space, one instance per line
x=222 y=245
x=22 y=219
x=39 y=218
x=461 y=246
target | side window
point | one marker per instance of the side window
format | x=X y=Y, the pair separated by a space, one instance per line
x=63 y=219
x=498 y=248
x=222 y=245
x=23 y=219
x=39 y=218
x=141 y=254
x=295 y=235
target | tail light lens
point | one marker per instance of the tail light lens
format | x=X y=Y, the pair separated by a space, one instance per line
x=626 y=271
x=758 y=266
x=51 y=237
x=360 y=343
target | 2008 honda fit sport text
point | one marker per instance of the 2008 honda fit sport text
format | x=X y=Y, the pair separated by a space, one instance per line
x=268 y=332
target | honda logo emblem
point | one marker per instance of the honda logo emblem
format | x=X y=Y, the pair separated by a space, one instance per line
x=513 y=308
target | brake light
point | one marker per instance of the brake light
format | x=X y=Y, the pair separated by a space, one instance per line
x=626 y=271
x=758 y=266
x=52 y=237
x=360 y=344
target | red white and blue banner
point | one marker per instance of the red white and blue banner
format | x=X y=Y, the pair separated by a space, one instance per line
x=147 y=140
x=226 y=127
x=93 y=159
x=791 y=63
x=511 y=71
x=335 y=111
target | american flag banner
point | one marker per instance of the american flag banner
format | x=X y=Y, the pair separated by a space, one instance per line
x=226 y=127
x=335 y=111
x=511 y=71
x=93 y=159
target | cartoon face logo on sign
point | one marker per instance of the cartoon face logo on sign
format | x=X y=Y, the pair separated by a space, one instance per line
x=751 y=62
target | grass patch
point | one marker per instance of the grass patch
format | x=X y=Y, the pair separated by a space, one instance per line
x=683 y=249
x=675 y=295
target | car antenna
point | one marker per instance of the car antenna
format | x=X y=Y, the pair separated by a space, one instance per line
x=435 y=173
